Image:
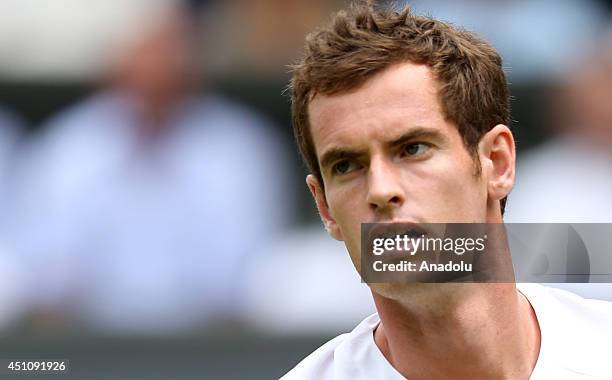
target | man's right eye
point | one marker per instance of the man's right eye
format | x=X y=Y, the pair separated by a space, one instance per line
x=344 y=167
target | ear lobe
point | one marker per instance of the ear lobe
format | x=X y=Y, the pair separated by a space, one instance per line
x=498 y=159
x=319 y=197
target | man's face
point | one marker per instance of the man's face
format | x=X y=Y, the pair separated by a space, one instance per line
x=387 y=154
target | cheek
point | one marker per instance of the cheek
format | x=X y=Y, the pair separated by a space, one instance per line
x=346 y=203
x=448 y=191
x=345 y=206
x=465 y=194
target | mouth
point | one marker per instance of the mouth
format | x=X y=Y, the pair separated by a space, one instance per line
x=395 y=241
x=394 y=229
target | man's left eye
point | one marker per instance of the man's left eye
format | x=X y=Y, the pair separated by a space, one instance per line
x=415 y=149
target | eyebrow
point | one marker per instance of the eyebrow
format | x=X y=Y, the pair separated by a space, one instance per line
x=338 y=153
x=419 y=133
x=335 y=154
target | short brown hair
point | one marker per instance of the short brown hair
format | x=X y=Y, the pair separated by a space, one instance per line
x=365 y=40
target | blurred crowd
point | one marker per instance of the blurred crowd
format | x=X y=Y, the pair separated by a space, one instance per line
x=170 y=198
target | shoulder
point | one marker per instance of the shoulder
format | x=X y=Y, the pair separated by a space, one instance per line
x=221 y=112
x=319 y=364
x=545 y=299
x=335 y=359
x=218 y=122
x=576 y=331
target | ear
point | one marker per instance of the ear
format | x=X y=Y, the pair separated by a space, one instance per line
x=498 y=158
x=319 y=197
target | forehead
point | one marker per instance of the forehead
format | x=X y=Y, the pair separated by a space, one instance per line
x=403 y=95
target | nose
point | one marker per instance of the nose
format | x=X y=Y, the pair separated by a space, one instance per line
x=385 y=192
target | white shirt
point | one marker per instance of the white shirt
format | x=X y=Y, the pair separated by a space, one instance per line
x=576 y=343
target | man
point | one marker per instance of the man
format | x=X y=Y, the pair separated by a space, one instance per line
x=404 y=119
x=141 y=183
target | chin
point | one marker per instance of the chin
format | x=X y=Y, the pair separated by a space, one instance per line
x=408 y=293
x=398 y=291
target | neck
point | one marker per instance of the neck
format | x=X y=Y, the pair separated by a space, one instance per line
x=459 y=331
